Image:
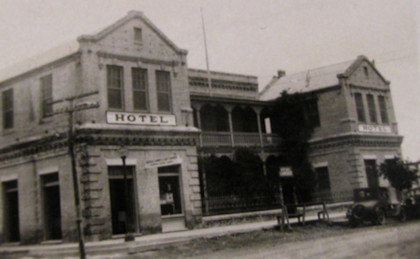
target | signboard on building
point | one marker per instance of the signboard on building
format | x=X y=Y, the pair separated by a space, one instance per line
x=172 y=160
x=375 y=128
x=140 y=118
x=286 y=172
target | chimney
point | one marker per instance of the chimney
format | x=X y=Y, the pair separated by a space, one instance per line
x=281 y=73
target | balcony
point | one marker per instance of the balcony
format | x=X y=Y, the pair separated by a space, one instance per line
x=214 y=139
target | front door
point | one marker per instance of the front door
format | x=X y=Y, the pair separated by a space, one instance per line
x=11 y=211
x=51 y=206
x=122 y=201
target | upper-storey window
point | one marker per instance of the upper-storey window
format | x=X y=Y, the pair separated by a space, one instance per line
x=46 y=96
x=366 y=71
x=312 y=113
x=115 y=86
x=372 y=108
x=138 y=36
x=360 y=107
x=7 y=99
x=163 y=85
x=139 y=88
x=383 y=110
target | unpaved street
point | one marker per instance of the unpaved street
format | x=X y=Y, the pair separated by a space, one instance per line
x=396 y=241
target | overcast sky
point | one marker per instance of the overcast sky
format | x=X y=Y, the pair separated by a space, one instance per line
x=255 y=37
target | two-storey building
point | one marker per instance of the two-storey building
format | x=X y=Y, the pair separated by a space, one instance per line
x=127 y=86
x=356 y=128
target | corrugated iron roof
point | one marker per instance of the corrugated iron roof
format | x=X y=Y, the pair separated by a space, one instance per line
x=306 y=81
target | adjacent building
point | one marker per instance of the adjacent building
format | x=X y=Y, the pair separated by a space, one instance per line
x=355 y=125
x=137 y=115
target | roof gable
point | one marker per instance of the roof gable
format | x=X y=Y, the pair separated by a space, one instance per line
x=364 y=73
x=132 y=15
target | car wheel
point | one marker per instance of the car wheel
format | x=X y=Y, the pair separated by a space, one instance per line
x=353 y=222
x=403 y=215
x=380 y=217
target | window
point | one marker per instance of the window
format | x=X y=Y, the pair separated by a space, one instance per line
x=366 y=71
x=312 y=113
x=115 y=86
x=163 y=85
x=383 y=110
x=139 y=88
x=138 y=37
x=46 y=96
x=371 y=173
x=359 y=107
x=7 y=99
x=324 y=187
x=169 y=190
x=372 y=108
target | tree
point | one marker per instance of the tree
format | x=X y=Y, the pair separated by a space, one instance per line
x=291 y=123
x=398 y=174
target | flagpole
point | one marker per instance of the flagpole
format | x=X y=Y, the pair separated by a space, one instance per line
x=207 y=55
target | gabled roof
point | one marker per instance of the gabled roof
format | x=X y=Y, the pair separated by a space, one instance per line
x=132 y=15
x=73 y=46
x=312 y=79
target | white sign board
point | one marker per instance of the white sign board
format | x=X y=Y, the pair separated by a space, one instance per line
x=172 y=160
x=375 y=128
x=286 y=172
x=140 y=118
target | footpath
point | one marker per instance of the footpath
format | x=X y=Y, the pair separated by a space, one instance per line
x=146 y=242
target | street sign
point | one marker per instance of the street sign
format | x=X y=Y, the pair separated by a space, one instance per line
x=172 y=160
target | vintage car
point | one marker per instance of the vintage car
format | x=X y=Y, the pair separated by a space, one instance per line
x=375 y=205
x=412 y=202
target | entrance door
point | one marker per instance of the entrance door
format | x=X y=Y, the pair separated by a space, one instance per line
x=371 y=173
x=51 y=206
x=170 y=199
x=123 y=218
x=11 y=211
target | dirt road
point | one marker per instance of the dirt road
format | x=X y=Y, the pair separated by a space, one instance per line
x=396 y=241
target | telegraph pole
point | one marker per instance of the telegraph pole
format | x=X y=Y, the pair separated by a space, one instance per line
x=71 y=142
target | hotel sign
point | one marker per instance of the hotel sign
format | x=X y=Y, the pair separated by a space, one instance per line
x=140 y=119
x=374 y=128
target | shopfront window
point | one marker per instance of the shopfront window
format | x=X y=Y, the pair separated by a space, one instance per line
x=169 y=190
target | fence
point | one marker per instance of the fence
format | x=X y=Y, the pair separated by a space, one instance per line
x=234 y=204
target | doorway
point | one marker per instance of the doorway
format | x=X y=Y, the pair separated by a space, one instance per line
x=371 y=173
x=123 y=218
x=51 y=206
x=11 y=211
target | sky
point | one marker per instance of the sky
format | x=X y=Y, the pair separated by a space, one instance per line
x=255 y=37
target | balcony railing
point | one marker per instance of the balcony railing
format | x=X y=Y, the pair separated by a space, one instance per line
x=239 y=139
x=216 y=139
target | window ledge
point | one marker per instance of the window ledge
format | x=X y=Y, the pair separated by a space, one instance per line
x=7 y=132
x=172 y=216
